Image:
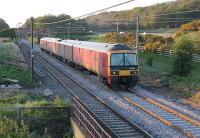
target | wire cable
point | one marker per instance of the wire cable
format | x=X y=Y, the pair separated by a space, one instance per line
x=170 y=21
x=6 y=29
x=182 y=12
x=87 y=13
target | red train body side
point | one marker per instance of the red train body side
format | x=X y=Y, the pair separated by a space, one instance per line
x=92 y=60
x=95 y=57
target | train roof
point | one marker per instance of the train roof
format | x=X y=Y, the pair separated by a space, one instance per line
x=50 y=39
x=103 y=47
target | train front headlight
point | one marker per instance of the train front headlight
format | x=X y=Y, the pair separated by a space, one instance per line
x=114 y=72
x=133 y=72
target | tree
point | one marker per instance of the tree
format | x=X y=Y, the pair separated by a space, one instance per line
x=7 y=33
x=183 y=49
x=3 y=24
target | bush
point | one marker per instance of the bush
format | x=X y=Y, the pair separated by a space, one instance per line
x=127 y=38
x=149 y=60
x=193 y=26
x=14 y=129
x=183 y=49
x=153 y=43
x=58 y=102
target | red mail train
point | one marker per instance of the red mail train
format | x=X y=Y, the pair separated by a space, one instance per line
x=115 y=64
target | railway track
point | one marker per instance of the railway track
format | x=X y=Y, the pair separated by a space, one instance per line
x=172 y=118
x=180 y=122
x=27 y=57
x=113 y=121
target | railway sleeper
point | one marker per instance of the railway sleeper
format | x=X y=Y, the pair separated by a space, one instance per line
x=130 y=135
x=95 y=109
x=192 y=129
x=109 y=119
x=164 y=115
x=175 y=120
x=124 y=130
x=101 y=112
x=107 y=115
x=117 y=124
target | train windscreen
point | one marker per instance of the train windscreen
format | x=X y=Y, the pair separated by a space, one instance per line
x=123 y=59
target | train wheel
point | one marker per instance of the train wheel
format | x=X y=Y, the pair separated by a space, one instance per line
x=109 y=86
x=124 y=87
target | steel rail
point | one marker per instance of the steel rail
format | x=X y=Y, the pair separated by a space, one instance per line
x=167 y=109
x=135 y=126
x=104 y=103
x=168 y=123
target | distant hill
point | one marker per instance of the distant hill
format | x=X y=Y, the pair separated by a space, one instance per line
x=102 y=20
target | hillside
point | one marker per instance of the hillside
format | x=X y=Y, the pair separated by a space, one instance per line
x=103 y=19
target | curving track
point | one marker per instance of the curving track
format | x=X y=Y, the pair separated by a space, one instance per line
x=114 y=123
x=180 y=122
x=114 y=120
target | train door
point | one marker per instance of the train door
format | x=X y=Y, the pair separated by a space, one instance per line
x=96 y=62
x=92 y=60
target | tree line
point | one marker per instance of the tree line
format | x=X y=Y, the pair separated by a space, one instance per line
x=148 y=19
x=8 y=33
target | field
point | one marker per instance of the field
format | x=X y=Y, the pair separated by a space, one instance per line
x=11 y=65
x=159 y=76
x=95 y=38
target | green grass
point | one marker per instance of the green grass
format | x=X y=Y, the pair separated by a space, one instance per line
x=37 y=122
x=15 y=129
x=23 y=99
x=6 y=52
x=159 y=75
x=195 y=38
x=92 y=38
x=9 y=68
x=96 y=38
x=35 y=40
x=16 y=73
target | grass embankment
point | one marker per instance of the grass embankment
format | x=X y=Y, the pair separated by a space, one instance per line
x=11 y=66
x=96 y=38
x=35 y=40
x=92 y=38
x=195 y=38
x=159 y=75
x=40 y=123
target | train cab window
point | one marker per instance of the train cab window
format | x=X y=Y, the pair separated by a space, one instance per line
x=122 y=59
x=130 y=59
x=117 y=60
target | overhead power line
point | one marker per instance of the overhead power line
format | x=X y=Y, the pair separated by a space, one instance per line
x=175 y=18
x=88 y=13
x=171 y=21
x=6 y=29
x=181 y=12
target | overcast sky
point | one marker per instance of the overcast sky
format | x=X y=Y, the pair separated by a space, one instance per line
x=17 y=11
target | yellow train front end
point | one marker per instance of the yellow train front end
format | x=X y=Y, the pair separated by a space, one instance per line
x=123 y=67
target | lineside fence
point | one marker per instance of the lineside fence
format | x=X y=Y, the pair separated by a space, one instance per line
x=54 y=120
x=87 y=122
x=171 y=53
